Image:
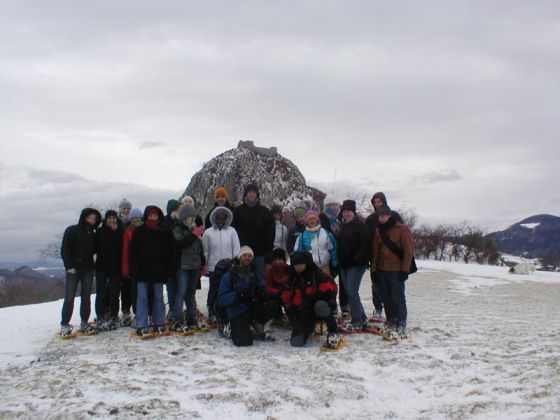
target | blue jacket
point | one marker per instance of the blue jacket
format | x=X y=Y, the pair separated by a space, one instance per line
x=322 y=246
x=231 y=283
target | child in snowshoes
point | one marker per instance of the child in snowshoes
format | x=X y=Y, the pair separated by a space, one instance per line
x=311 y=297
x=243 y=295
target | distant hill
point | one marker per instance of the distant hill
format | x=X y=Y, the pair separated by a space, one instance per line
x=24 y=286
x=534 y=237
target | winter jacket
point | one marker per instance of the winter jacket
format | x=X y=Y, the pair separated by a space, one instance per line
x=304 y=289
x=208 y=222
x=220 y=243
x=188 y=250
x=322 y=246
x=78 y=243
x=255 y=227
x=293 y=234
x=276 y=278
x=372 y=221
x=353 y=244
x=108 y=247
x=233 y=282
x=383 y=259
x=280 y=236
x=150 y=252
x=127 y=238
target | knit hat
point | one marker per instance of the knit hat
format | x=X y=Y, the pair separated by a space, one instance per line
x=310 y=214
x=186 y=211
x=187 y=199
x=221 y=192
x=135 y=213
x=124 y=203
x=383 y=210
x=298 y=257
x=330 y=199
x=276 y=209
x=278 y=254
x=172 y=205
x=245 y=250
x=299 y=211
x=348 y=205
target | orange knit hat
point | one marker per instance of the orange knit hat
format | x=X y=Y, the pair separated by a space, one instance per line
x=221 y=192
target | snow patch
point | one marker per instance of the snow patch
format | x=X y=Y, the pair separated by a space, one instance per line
x=530 y=225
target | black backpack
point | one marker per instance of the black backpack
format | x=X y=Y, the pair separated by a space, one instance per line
x=222 y=267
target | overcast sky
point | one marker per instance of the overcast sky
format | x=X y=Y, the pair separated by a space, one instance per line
x=449 y=107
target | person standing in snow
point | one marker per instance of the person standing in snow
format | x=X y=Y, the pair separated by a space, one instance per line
x=150 y=265
x=310 y=297
x=298 y=228
x=220 y=241
x=281 y=231
x=167 y=224
x=391 y=270
x=221 y=199
x=189 y=259
x=189 y=201
x=108 y=247
x=319 y=242
x=372 y=221
x=353 y=246
x=128 y=284
x=255 y=226
x=243 y=294
x=124 y=213
x=77 y=250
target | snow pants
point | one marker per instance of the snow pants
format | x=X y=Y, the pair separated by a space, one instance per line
x=85 y=279
x=261 y=312
x=304 y=320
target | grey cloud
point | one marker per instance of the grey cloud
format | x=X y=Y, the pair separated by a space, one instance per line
x=151 y=145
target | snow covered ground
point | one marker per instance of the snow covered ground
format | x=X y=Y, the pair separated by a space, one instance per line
x=485 y=345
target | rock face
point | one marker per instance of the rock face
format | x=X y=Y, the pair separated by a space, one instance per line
x=279 y=180
x=534 y=237
x=25 y=286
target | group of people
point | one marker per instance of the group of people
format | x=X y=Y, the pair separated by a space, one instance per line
x=259 y=270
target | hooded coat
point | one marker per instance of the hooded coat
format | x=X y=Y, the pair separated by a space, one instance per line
x=188 y=250
x=254 y=225
x=78 y=243
x=150 y=251
x=108 y=246
x=220 y=243
x=208 y=221
x=372 y=220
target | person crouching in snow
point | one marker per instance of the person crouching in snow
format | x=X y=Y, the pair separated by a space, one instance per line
x=390 y=270
x=276 y=278
x=150 y=265
x=243 y=295
x=220 y=241
x=78 y=247
x=189 y=258
x=311 y=297
x=319 y=242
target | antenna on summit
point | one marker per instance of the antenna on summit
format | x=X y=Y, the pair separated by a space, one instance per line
x=334 y=180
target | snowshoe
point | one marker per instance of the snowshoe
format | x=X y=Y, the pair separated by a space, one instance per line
x=225 y=331
x=142 y=334
x=126 y=320
x=320 y=328
x=87 y=329
x=110 y=325
x=377 y=318
x=67 y=331
x=161 y=330
x=268 y=331
x=332 y=347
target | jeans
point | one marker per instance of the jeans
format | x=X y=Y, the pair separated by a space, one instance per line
x=85 y=278
x=187 y=280
x=393 y=292
x=260 y=266
x=352 y=277
x=376 y=297
x=107 y=290
x=142 y=306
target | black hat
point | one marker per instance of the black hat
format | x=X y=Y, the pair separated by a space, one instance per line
x=349 y=205
x=278 y=254
x=298 y=257
x=276 y=209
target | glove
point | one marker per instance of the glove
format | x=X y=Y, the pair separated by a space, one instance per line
x=244 y=297
x=403 y=275
x=71 y=271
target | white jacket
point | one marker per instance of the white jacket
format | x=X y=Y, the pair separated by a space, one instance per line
x=281 y=236
x=220 y=243
x=319 y=244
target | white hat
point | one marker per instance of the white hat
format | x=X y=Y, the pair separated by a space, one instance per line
x=245 y=250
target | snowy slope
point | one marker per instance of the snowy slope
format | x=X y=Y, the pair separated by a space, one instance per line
x=485 y=345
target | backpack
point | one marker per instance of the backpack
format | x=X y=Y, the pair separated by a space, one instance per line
x=222 y=267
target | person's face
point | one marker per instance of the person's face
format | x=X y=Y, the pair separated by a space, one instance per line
x=112 y=220
x=221 y=220
x=153 y=216
x=332 y=208
x=348 y=215
x=277 y=216
x=251 y=196
x=300 y=268
x=125 y=211
x=91 y=219
x=137 y=221
x=301 y=219
x=312 y=222
x=189 y=221
x=221 y=200
x=278 y=261
x=377 y=202
x=384 y=218
x=246 y=259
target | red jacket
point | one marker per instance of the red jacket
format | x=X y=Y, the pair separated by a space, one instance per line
x=276 y=278
x=308 y=287
x=127 y=237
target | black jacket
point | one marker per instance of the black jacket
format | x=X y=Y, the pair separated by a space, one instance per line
x=78 y=243
x=255 y=227
x=150 y=252
x=108 y=247
x=293 y=234
x=353 y=244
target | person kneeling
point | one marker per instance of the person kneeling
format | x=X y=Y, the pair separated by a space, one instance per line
x=311 y=298
x=244 y=297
